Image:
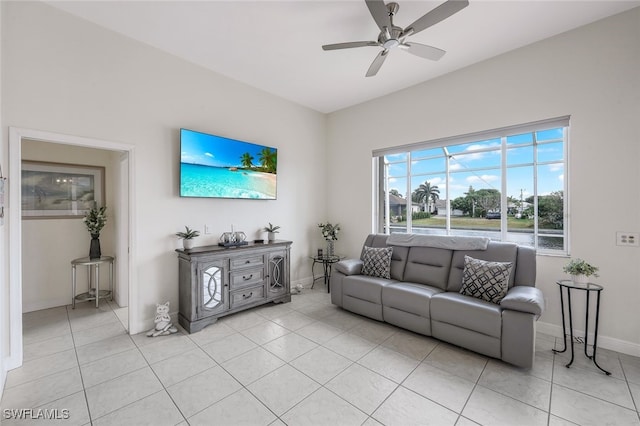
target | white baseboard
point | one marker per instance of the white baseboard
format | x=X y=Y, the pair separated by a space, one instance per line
x=605 y=342
x=45 y=304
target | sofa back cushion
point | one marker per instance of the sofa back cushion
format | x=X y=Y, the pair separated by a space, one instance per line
x=495 y=252
x=428 y=265
x=398 y=257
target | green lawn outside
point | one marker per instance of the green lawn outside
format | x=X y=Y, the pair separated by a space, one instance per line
x=468 y=222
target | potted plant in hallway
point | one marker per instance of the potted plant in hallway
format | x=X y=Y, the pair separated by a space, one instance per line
x=187 y=237
x=95 y=220
x=580 y=270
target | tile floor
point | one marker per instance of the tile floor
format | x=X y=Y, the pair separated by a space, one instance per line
x=302 y=363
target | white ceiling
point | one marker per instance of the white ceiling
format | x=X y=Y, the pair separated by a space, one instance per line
x=276 y=45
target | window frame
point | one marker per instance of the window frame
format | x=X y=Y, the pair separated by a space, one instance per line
x=380 y=205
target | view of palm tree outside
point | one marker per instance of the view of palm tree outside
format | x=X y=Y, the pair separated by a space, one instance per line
x=508 y=188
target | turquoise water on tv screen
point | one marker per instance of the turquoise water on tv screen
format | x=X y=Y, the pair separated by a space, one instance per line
x=226 y=182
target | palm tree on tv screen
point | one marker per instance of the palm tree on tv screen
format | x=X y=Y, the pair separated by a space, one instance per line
x=269 y=160
x=247 y=160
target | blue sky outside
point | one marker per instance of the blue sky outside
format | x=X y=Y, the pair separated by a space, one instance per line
x=216 y=151
x=478 y=164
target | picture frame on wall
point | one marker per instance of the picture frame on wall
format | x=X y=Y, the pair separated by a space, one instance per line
x=60 y=191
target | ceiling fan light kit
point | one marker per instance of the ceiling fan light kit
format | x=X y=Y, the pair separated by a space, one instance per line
x=392 y=36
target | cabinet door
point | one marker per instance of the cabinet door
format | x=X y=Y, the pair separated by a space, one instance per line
x=278 y=278
x=213 y=288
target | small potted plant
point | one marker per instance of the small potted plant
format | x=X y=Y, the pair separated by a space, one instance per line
x=580 y=270
x=187 y=237
x=271 y=230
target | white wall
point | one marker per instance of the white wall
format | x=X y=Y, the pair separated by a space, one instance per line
x=590 y=73
x=49 y=245
x=65 y=75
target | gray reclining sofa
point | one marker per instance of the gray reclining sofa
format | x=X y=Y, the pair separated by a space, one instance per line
x=422 y=293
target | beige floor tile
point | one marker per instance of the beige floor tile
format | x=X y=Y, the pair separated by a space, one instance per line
x=43 y=317
x=41 y=367
x=405 y=407
x=343 y=320
x=182 y=366
x=487 y=407
x=586 y=410
x=111 y=367
x=166 y=348
x=273 y=310
x=598 y=384
x=47 y=347
x=391 y=364
x=413 y=345
x=319 y=332
x=104 y=348
x=91 y=335
x=631 y=367
x=202 y=390
x=252 y=365
x=211 y=333
x=119 y=392
x=324 y=408
x=440 y=386
x=362 y=387
x=229 y=347
x=517 y=383
x=242 y=320
x=240 y=408
x=458 y=361
x=43 y=390
x=52 y=328
x=156 y=409
x=290 y=346
x=374 y=331
x=265 y=332
x=321 y=364
x=293 y=320
x=282 y=389
x=350 y=346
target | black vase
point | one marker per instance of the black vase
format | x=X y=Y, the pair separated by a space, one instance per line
x=94 y=248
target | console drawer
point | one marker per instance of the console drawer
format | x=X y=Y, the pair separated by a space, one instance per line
x=247 y=262
x=246 y=296
x=246 y=278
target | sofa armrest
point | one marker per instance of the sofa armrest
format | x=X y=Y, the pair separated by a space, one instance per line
x=524 y=299
x=349 y=266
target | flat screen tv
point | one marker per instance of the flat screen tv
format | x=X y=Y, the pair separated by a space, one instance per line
x=216 y=167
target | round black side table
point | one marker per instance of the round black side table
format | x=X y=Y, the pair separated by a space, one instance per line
x=588 y=288
x=327 y=264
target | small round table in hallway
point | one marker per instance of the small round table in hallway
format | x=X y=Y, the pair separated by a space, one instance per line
x=93 y=271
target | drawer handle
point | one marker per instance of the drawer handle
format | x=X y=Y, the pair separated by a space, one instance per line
x=247 y=278
x=246 y=296
x=247 y=261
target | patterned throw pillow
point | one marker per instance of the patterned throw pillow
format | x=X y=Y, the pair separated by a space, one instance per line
x=485 y=280
x=377 y=262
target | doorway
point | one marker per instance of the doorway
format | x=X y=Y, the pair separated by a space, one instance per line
x=125 y=242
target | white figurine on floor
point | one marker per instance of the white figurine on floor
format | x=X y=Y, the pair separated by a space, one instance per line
x=163 y=322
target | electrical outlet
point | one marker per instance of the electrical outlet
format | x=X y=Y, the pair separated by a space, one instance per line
x=207 y=229
x=630 y=239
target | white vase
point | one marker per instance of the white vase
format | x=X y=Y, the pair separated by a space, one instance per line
x=580 y=279
x=271 y=236
x=188 y=244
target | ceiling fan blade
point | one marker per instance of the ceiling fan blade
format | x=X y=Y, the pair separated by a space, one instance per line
x=380 y=13
x=350 y=45
x=436 y=15
x=424 y=51
x=377 y=63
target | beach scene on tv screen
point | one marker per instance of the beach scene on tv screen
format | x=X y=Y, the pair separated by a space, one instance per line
x=213 y=166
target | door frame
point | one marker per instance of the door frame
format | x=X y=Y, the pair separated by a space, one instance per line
x=14 y=216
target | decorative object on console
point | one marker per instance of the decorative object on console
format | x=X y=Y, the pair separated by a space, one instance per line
x=163 y=322
x=95 y=220
x=187 y=237
x=330 y=234
x=232 y=239
x=271 y=230
x=580 y=270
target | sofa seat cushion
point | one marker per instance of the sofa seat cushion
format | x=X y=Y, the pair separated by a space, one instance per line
x=364 y=287
x=467 y=312
x=409 y=297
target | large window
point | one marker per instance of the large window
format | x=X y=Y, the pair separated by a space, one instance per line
x=506 y=184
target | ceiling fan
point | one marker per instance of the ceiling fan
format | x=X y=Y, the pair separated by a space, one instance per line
x=392 y=36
